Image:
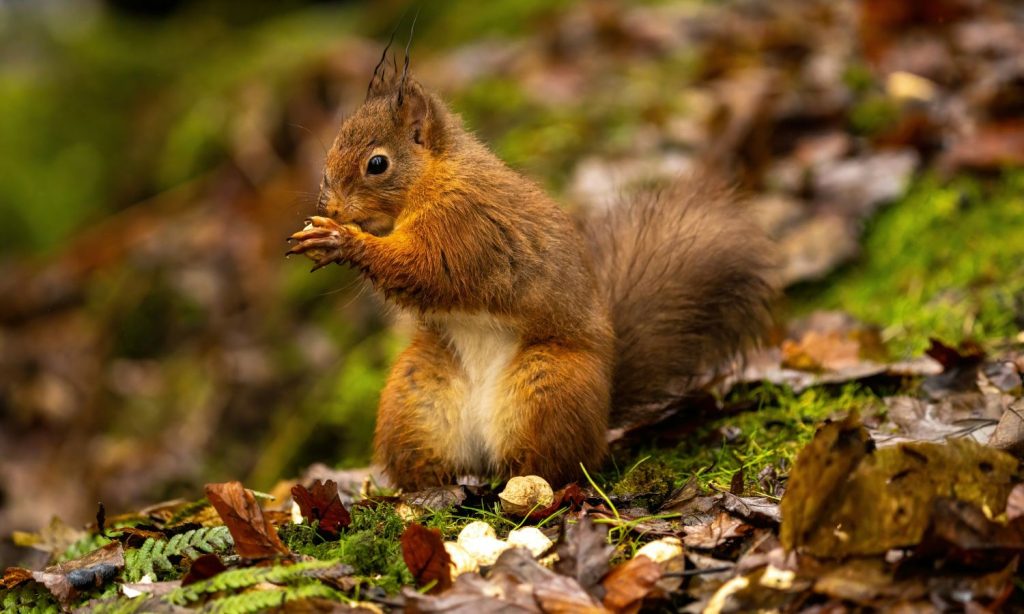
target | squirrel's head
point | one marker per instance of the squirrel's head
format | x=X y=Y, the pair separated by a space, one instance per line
x=381 y=153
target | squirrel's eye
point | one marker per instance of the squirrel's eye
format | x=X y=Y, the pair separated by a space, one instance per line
x=377 y=165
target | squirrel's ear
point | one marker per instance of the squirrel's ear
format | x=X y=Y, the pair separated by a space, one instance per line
x=421 y=116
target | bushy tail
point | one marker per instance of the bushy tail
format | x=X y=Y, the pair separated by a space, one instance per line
x=687 y=274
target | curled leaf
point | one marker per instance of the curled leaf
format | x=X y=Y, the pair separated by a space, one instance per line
x=426 y=557
x=322 y=503
x=254 y=535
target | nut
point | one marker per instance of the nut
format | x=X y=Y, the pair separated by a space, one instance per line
x=481 y=542
x=525 y=494
x=531 y=538
x=462 y=560
x=662 y=550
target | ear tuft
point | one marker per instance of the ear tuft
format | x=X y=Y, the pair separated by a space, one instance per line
x=421 y=115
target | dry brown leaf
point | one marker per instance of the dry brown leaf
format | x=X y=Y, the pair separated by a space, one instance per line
x=472 y=594
x=844 y=499
x=583 y=553
x=990 y=147
x=571 y=496
x=425 y=555
x=820 y=469
x=204 y=567
x=715 y=533
x=629 y=584
x=1015 y=503
x=822 y=351
x=322 y=503
x=254 y=535
x=66 y=580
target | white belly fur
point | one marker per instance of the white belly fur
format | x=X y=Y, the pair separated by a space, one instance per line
x=485 y=348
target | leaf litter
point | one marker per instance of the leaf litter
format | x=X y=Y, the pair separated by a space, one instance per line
x=917 y=506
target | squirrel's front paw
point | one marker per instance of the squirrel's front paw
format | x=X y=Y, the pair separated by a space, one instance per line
x=323 y=241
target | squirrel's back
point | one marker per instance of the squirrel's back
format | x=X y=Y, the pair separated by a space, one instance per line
x=686 y=273
x=527 y=332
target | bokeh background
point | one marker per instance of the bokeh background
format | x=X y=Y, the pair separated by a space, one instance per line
x=155 y=155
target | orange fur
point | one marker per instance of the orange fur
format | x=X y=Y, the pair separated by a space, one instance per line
x=510 y=371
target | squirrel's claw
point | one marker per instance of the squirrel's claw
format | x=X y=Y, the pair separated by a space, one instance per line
x=323 y=241
x=322 y=263
x=312 y=233
x=311 y=244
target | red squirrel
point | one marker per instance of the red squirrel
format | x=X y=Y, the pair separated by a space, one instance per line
x=534 y=334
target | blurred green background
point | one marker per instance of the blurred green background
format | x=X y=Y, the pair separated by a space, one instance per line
x=156 y=155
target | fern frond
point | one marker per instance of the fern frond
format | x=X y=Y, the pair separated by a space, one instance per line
x=115 y=604
x=155 y=554
x=83 y=546
x=235 y=579
x=262 y=600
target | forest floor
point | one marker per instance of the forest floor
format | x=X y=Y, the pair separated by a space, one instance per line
x=866 y=457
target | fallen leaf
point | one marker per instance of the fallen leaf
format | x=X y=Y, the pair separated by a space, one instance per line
x=472 y=594
x=969 y=354
x=13 y=576
x=831 y=341
x=254 y=535
x=322 y=504
x=991 y=146
x=555 y=593
x=1015 y=503
x=436 y=498
x=66 y=580
x=715 y=533
x=572 y=496
x=206 y=566
x=961 y=532
x=759 y=510
x=816 y=351
x=152 y=589
x=738 y=483
x=820 y=469
x=857 y=186
x=629 y=584
x=425 y=555
x=54 y=537
x=883 y=499
x=816 y=247
x=515 y=584
x=955 y=415
x=134 y=537
x=583 y=553
x=865 y=581
x=1009 y=433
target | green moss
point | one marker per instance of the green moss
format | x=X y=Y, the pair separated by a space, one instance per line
x=648 y=477
x=874 y=114
x=946 y=261
x=371 y=545
x=770 y=436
